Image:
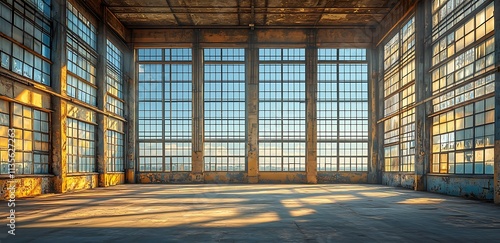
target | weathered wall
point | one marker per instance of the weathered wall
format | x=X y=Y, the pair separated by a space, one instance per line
x=27 y=186
x=225 y=177
x=23 y=93
x=81 y=182
x=464 y=186
x=114 y=178
x=282 y=177
x=342 y=177
x=242 y=177
x=159 y=177
x=399 y=179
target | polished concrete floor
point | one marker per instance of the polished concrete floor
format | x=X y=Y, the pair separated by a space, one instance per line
x=253 y=213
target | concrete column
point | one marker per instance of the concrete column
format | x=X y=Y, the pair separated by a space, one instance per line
x=311 y=116
x=496 y=172
x=198 y=116
x=58 y=81
x=101 y=101
x=423 y=124
x=252 y=111
x=130 y=97
x=374 y=129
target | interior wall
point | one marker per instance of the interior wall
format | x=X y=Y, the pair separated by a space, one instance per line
x=428 y=174
x=197 y=39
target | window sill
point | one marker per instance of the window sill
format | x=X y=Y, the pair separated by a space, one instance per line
x=462 y=176
x=82 y=174
x=20 y=176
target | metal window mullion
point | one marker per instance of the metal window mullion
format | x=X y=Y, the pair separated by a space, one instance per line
x=163 y=112
x=338 y=111
x=282 y=112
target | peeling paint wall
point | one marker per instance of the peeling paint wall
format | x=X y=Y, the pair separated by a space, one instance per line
x=27 y=187
x=81 y=182
x=342 y=177
x=469 y=187
x=113 y=179
x=176 y=177
x=406 y=180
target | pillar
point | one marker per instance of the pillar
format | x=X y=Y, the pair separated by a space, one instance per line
x=311 y=116
x=496 y=176
x=252 y=111
x=198 y=116
x=101 y=102
x=130 y=97
x=423 y=124
x=58 y=80
x=374 y=129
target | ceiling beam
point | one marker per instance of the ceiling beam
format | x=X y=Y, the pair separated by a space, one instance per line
x=245 y=11
x=248 y=8
x=330 y=26
x=171 y=10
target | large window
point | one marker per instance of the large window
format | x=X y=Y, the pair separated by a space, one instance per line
x=342 y=110
x=81 y=146
x=165 y=109
x=399 y=99
x=224 y=80
x=25 y=47
x=463 y=81
x=282 y=109
x=82 y=57
x=114 y=82
x=31 y=128
x=115 y=142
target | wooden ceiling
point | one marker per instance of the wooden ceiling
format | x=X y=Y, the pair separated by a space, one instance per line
x=247 y=13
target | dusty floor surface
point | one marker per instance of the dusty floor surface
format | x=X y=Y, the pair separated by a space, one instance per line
x=252 y=213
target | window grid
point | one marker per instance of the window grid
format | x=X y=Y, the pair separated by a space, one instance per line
x=391 y=130
x=79 y=25
x=448 y=13
x=114 y=70
x=462 y=79
x=461 y=68
x=81 y=90
x=463 y=139
x=82 y=62
x=165 y=109
x=114 y=105
x=81 y=146
x=391 y=158
x=224 y=81
x=150 y=110
x=81 y=77
x=407 y=140
x=31 y=139
x=115 y=153
x=4 y=136
x=178 y=115
x=30 y=26
x=114 y=82
x=282 y=110
x=151 y=156
x=399 y=93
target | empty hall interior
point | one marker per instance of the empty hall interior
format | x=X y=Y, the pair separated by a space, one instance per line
x=249 y=120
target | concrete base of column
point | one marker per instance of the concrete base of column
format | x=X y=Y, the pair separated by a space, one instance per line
x=130 y=176
x=253 y=179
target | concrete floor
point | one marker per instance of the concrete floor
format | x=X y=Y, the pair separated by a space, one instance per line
x=252 y=213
